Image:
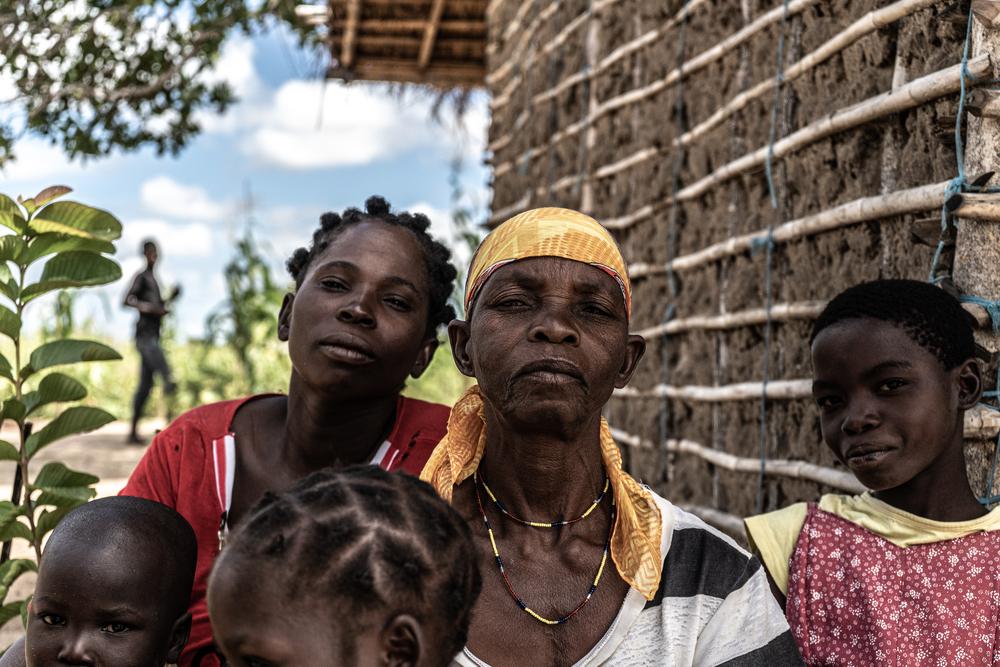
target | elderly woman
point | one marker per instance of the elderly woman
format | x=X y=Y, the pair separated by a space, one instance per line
x=588 y=566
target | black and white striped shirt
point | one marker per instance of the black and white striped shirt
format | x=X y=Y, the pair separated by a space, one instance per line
x=713 y=607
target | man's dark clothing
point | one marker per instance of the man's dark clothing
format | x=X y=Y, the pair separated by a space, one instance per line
x=146 y=290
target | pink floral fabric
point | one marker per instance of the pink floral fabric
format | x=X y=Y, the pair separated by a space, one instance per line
x=856 y=599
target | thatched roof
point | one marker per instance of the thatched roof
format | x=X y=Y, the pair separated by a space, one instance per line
x=437 y=42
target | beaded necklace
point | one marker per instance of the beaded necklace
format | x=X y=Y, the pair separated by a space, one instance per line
x=503 y=572
x=545 y=524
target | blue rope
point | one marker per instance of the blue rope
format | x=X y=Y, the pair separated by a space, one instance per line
x=992 y=307
x=779 y=85
x=956 y=186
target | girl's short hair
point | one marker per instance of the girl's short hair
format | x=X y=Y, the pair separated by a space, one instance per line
x=934 y=319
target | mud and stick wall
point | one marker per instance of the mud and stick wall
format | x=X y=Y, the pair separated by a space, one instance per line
x=656 y=117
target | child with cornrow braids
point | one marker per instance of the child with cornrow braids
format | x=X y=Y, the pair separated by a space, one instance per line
x=371 y=292
x=907 y=573
x=349 y=567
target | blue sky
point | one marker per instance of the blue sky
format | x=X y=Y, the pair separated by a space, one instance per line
x=299 y=146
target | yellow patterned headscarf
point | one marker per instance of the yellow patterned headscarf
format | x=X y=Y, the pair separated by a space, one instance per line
x=555 y=232
x=548 y=232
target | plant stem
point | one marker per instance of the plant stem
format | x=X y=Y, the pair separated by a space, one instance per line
x=18 y=387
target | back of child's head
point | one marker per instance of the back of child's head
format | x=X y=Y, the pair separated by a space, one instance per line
x=931 y=317
x=114 y=585
x=369 y=544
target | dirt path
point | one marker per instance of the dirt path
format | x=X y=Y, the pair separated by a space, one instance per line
x=102 y=453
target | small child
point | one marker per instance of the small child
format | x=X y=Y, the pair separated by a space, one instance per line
x=350 y=567
x=113 y=587
x=908 y=573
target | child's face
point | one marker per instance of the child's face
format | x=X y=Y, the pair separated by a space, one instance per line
x=258 y=626
x=359 y=320
x=889 y=409
x=102 y=607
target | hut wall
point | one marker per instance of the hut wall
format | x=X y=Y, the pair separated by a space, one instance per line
x=587 y=112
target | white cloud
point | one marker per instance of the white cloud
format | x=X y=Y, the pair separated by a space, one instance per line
x=192 y=239
x=163 y=195
x=307 y=126
x=39 y=164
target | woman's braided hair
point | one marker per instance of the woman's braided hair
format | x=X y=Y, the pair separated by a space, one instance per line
x=440 y=272
x=931 y=317
x=377 y=541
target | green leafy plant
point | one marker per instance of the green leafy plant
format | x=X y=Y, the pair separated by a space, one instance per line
x=71 y=242
x=248 y=319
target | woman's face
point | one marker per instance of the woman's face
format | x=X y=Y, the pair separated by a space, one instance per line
x=357 y=327
x=548 y=341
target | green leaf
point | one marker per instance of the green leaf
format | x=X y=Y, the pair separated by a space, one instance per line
x=51 y=193
x=10 y=323
x=78 y=419
x=75 y=219
x=73 y=269
x=13 y=409
x=51 y=243
x=63 y=487
x=9 y=611
x=8 y=286
x=10 y=572
x=10 y=527
x=5 y=368
x=10 y=215
x=8 y=452
x=54 y=388
x=48 y=519
x=24 y=611
x=69 y=351
x=29 y=204
x=11 y=247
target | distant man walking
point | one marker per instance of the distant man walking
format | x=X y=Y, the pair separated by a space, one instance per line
x=144 y=296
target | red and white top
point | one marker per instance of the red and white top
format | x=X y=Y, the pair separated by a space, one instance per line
x=855 y=598
x=190 y=466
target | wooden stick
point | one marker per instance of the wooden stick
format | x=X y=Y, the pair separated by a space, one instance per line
x=347 y=45
x=724 y=521
x=781 y=312
x=621 y=52
x=867 y=24
x=923 y=198
x=838 y=479
x=913 y=94
x=427 y=45
x=740 y=391
x=982 y=424
x=505 y=69
x=508 y=211
x=982 y=207
x=463 y=27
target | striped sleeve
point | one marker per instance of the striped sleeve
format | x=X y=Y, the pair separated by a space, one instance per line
x=713 y=607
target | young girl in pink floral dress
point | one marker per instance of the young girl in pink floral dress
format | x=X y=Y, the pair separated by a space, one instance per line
x=908 y=573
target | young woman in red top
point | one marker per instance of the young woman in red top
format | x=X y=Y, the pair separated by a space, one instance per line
x=370 y=294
